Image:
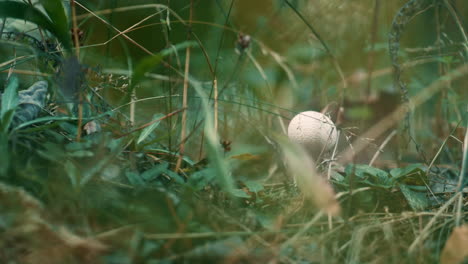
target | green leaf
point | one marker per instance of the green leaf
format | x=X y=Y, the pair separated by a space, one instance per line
x=417 y=200
x=200 y=179
x=145 y=65
x=10 y=97
x=56 y=11
x=253 y=186
x=338 y=177
x=148 y=63
x=9 y=103
x=147 y=130
x=174 y=176
x=240 y=193
x=155 y=171
x=29 y=13
x=72 y=172
x=413 y=174
x=160 y=169
x=134 y=178
x=7 y=120
x=4 y=154
x=401 y=172
x=370 y=175
x=52 y=152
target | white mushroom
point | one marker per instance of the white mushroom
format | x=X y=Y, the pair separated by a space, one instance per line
x=314 y=131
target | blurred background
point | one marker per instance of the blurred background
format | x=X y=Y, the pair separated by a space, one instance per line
x=268 y=64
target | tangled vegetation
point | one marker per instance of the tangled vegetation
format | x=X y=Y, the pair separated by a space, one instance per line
x=142 y=132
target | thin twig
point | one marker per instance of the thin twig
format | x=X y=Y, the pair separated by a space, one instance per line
x=185 y=94
x=77 y=54
x=382 y=146
x=114 y=28
x=371 y=56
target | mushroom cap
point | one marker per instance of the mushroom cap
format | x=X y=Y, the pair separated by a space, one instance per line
x=314 y=131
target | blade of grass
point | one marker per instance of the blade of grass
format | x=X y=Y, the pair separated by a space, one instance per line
x=56 y=11
x=9 y=97
x=184 y=96
x=150 y=128
x=9 y=102
x=215 y=153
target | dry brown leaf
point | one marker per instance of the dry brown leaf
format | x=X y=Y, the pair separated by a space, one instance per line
x=456 y=247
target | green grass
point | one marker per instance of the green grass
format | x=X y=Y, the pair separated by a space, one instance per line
x=162 y=137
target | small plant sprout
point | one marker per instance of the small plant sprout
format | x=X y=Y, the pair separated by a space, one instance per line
x=314 y=131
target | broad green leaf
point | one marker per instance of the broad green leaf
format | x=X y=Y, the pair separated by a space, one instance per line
x=200 y=179
x=174 y=176
x=417 y=200
x=338 y=177
x=56 y=11
x=51 y=151
x=9 y=104
x=267 y=221
x=186 y=159
x=5 y=122
x=134 y=178
x=145 y=65
x=72 y=172
x=147 y=130
x=74 y=146
x=29 y=13
x=240 y=193
x=370 y=175
x=410 y=169
x=253 y=186
x=155 y=171
x=413 y=174
x=4 y=154
x=160 y=169
x=10 y=97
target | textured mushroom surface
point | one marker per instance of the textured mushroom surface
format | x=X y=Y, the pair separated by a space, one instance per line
x=314 y=131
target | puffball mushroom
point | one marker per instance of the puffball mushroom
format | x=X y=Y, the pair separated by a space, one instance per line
x=314 y=131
